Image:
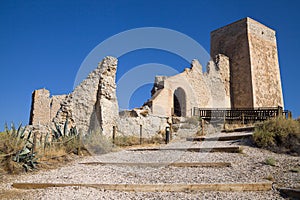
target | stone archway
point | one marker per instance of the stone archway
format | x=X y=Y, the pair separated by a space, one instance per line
x=179 y=102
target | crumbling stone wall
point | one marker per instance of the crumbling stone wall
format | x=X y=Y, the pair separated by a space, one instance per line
x=44 y=107
x=92 y=106
x=130 y=121
x=243 y=73
x=40 y=107
x=202 y=90
x=218 y=83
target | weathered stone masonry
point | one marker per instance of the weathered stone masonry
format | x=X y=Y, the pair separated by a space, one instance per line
x=92 y=106
x=243 y=73
x=254 y=68
x=44 y=107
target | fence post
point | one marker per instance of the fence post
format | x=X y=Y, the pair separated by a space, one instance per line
x=279 y=111
x=114 y=134
x=290 y=115
x=141 y=134
x=243 y=118
x=224 y=122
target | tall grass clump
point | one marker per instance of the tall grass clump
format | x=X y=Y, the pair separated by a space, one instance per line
x=279 y=135
x=96 y=143
x=16 y=150
x=22 y=149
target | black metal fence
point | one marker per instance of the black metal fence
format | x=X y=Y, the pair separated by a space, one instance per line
x=242 y=115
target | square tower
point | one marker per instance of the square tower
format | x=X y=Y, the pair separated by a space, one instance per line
x=254 y=68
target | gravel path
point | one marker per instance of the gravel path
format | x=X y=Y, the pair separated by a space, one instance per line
x=247 y=167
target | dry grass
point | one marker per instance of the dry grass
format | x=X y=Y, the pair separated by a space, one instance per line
x=9 y=146
x=269 y=178
x=124 y=141
x=57 y=150
x=192 y=120
x=97 y=143
x=279 y=135
x=144 y=113
x=233 y=126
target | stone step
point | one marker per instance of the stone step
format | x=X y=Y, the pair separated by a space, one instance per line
x=175 y=164
x=242 y=129
x=221 y=138
x=156 y=187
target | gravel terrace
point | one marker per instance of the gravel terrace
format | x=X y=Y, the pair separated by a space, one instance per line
x=247 y=167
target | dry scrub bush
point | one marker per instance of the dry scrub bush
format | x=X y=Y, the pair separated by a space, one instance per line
x=279 y=135
x=123 y=141
x=97 y=143
x=192 y=120
x=9 y=146
x=270 y=161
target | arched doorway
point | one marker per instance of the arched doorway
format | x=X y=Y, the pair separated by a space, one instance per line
x=179 y=102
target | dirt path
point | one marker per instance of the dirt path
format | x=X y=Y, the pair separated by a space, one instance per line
x=247 y=166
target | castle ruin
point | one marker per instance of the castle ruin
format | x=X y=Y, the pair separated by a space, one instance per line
x=243 y=73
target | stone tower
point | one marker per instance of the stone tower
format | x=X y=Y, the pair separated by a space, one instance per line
x=254 y=68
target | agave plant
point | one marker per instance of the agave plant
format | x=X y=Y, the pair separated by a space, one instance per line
x=58 y=133
x=26 y=154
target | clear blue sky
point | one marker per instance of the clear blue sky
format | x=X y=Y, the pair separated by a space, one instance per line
x=43 y=43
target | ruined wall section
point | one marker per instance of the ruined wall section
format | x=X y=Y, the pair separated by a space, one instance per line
x=130 y=124
x=266 y=79
x=106 y=97
x=44 y=107
x=223 y=68
x=161 y=102
x=93 y=106
x=199 y=94
x=191 y=81
x=201 y=90
x=218 y=83
x=232 y=41
x=40 y=107
x=55 y=104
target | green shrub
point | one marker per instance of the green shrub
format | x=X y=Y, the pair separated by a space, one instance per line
x=278 y=134
x=270 y=161
x=295 y=170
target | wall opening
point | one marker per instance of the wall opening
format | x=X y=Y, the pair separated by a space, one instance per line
x=179 y=102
